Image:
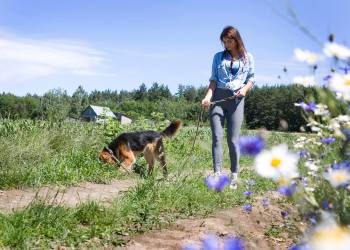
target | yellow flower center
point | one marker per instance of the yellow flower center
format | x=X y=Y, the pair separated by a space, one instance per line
x=339 y=177
x=331 y=234
x=276 y=162
x=347 y=82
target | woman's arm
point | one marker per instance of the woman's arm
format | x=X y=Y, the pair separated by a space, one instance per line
x=209 y=94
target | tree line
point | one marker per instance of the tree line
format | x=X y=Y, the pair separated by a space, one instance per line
x=266 y=106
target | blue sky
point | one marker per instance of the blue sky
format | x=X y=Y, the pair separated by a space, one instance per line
x=112 y=44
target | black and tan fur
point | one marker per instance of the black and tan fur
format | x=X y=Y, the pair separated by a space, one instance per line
x=124 y=149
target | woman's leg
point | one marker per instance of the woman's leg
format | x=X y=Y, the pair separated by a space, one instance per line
x=217 y=122
x=235 y=113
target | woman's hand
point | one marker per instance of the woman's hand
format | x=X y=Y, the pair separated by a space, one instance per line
x=241 y=93
x=206 y=102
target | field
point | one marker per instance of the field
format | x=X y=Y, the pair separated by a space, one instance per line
x=37 y=154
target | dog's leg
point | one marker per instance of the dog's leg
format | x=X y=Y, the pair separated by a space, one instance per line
x=149 y=157
x=160 y=155
x=128 y=158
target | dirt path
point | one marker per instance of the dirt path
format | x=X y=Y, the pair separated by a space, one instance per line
x=250 y=227
x=15 y=199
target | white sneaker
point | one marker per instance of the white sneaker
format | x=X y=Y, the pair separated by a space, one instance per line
x=233 y=181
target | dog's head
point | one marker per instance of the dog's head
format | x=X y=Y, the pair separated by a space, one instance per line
x=106 y=156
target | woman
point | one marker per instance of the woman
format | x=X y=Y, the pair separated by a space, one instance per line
x=232 y=75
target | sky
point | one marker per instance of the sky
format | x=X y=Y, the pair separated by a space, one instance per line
x=114 y=44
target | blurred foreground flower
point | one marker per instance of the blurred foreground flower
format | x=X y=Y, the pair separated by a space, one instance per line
x=306 y=81
x=341 y=85
x=336 y=50
x=251 y=145
x=337 y=177
x=307 y=107
x=217 y=182
x=212 y=242
x=306 y=56
x=279 y=163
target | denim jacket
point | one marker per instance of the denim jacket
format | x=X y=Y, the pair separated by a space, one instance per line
x=235 y=77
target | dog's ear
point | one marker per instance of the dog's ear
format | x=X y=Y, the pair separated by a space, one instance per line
x=107 y=157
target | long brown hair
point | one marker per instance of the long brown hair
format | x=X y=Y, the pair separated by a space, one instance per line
x=232 y=33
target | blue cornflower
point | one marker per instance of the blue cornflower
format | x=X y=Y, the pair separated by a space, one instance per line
x=303 y=154
x=328 y=140
x=327 y=78
x=341 y=165
x=265 y=202
x=247 y=207
x=233 y=243
x=251 y=145
x=346 y=132
x=248 y=193
x=190 y=247
x=300 y=247
x=312 y=218
x=287 y=190
x=308 y=107
x=217 y=182
x=346 y=69
x=284 y=214
x=210 y=242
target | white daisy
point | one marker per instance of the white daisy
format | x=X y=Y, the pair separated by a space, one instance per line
x=337 y=177
x=337 y=50
x=306 y=56
x=328 y=235
x=306 y=81
x=278 y=163
x=341 y=84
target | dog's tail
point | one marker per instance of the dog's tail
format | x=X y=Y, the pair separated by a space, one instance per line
x=171 y=130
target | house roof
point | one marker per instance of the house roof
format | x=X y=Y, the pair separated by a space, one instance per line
x=102 y=111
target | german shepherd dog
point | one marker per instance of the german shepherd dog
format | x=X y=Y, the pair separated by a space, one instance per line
x=124 y=149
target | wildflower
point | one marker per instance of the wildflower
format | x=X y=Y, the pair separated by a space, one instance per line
x=265 y=202
x=190 y=246
x=306 y=56
x=250 y=182
x=341 y=85
x=217 y=182
x=247 y=207
x=278 y=163
x=307 y=107
x=328 y=140
x=284 y=214
x=251 y=145
x=303 y=154
x=346 y=69
x=287 y=190
x=327 y=78
x=341 y=165
x=326 y=205
x=321 y=110
x=248 y=193
x=210 y=242
x=329 y=235
x=306 y=81
x=300 y=247
x=337 y=177
x=233 y=243
x=336 y=50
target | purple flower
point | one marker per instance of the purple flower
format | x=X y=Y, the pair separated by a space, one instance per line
x=284 y=214
x=190 y=247
x=303 y=154
x=312 y=218
x=300 y=247
x=248 y=193
x=287 y=190
x=308 y=107
x=233 y=243
x=341 y=165
x=210 y=242
x=251 y=145
x=328 y=140
x=346 y=69
x=247 y=207
x=327 y=78
x=265 y=202
x=217 y=182
x=346 y=132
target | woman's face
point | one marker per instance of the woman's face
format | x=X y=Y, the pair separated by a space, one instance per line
x=229 y=43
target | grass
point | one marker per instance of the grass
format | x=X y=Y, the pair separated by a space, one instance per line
x=67 y=155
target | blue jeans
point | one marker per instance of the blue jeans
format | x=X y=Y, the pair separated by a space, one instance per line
x=231 y=111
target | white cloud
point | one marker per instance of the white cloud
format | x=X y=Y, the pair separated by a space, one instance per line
x=22 y=58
